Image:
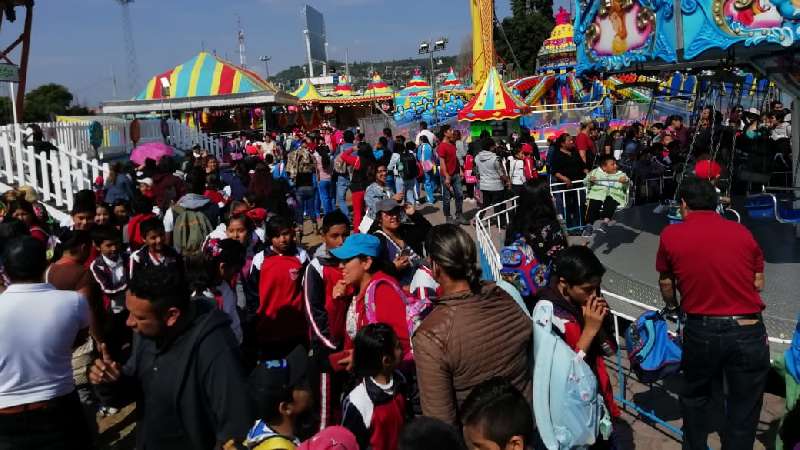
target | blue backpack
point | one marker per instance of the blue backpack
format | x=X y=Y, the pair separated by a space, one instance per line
x=567 y=404
x=652 y=352
x=791 y=356
x=522 y=269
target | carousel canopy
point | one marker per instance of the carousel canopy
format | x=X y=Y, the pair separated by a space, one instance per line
x=343 y=89
x=558 y=51
x=377 y=87
x=203 y=81
x=307 y=92
x=452 y=82
x=493 y=102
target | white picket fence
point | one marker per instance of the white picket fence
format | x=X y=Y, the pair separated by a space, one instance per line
x=55 y=175
x=75 y=165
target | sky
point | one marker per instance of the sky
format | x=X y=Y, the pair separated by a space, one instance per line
x=79 y=43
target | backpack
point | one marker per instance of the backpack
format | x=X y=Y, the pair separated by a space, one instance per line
x=522 y=269
x=567 y=404
x=652 y=352
x=470 y=176
x=191 y=229
x=791 y=356
x=299 y=161
x=416 y=307
x=408 y=166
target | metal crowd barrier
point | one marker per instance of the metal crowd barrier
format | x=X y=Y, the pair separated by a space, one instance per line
x=489 y=255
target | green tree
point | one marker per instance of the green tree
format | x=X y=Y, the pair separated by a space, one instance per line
x=526 y=30
x=46 y=101
x=6 y=113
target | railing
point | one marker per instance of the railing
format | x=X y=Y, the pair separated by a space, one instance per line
x=184 y=137
x=494 y=215
x=55 y=175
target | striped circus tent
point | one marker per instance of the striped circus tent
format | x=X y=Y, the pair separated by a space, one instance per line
x=452 y=82
x=202 y=76
x=493 y=102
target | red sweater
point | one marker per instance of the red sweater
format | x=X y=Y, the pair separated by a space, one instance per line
x=280 y=296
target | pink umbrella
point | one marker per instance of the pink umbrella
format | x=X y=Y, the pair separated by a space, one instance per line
x=151 y=150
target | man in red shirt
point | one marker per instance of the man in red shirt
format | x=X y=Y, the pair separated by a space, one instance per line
x=451 y=176
x=719 y=269
x=584 y=143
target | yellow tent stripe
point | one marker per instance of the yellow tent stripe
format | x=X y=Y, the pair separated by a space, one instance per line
x=215 y=80
x=237 y=80
x=198 y=65
x=150 y=86
x=173 y=80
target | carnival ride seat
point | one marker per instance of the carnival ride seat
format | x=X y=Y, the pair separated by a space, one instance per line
x=767 y=206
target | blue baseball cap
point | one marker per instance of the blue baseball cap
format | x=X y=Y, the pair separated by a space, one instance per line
x=358 y=245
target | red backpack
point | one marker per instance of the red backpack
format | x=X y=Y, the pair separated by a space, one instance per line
x=469 y=165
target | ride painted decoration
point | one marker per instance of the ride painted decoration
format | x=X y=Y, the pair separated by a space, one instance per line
x=614 y=34
x=719 y=24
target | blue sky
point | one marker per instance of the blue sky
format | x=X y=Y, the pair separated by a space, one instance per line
x=76 y=42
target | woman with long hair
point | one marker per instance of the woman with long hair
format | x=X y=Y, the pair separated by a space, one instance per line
x=536 y=222
x=119 y=186
x=362 y=159
x=324 y=171
x=475 y=331
x=23 y=211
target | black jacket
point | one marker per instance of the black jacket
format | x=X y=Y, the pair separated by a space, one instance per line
x=193 y=391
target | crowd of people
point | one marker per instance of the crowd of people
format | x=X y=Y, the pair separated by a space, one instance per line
x=194 y=290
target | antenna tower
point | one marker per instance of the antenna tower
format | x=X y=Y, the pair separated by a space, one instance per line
x=130 y=48
x=242 y=58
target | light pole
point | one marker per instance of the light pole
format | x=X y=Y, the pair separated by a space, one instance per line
x=429 y=48
x=265 y=59
x=166 y=87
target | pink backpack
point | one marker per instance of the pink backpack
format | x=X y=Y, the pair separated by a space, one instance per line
x=469 y=164
x=416 y=307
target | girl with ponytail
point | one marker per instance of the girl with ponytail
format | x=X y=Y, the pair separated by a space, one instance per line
x=476 y=330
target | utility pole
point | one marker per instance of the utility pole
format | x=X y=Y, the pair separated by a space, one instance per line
x=113 y=83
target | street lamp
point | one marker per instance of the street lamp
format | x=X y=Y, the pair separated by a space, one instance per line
x=429 y=48
x=265 y=59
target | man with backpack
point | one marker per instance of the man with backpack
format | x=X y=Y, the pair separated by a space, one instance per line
x=409 y=169
x=719 y=269
x=192 y=218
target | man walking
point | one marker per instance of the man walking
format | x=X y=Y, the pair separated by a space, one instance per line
x=39 y=325
x=451 y=176
x=185 y=359
x=342 y=173
x=719 y=269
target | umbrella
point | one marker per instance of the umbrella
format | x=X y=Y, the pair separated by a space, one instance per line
x=151 y=150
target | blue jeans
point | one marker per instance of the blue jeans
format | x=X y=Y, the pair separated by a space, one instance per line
x=390 y=183
x=398 y=184
x=410 y=189
x=455 y=184
x=429 y=188
x=325 y=190
x=342 y=184
x=306 y=196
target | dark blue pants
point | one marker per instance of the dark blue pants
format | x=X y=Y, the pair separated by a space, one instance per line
x=713 y=348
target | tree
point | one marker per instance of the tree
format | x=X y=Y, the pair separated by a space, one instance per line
x=46 y=101
x=6 y=113
x=526 y=30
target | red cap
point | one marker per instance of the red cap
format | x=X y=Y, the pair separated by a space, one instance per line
x=707 y=169
x=257 y=214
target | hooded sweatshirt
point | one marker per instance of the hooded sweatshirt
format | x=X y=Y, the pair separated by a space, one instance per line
x=193 y=391
x=325 y=314
x=488 y=166
x=375 y=413
x=203 y=204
